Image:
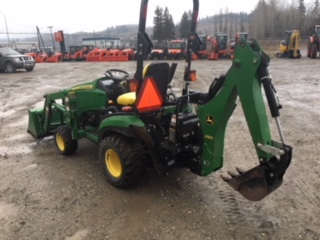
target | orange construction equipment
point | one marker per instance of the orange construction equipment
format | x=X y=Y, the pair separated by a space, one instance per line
x=32 y=54
x=233 y=44
x=116 y=55
x=177 y=49
x=104 y=55
x=202 y=52
x=41 y=57
x=212 y=48
x=81 y=54
x=57 y=57
x=218 y=46
x=96 y=54
x=130 y=52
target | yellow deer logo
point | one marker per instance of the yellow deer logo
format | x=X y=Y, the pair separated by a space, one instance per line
x=209 y=120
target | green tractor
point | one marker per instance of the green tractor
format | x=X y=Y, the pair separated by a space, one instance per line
x=147 y=126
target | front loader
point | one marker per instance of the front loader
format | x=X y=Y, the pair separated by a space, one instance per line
x=144 y=125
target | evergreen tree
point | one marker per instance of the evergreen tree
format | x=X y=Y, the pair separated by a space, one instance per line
x=302 y=13
x=185 y=24
x=158 y=24
x=169 y=27
x=316 y=12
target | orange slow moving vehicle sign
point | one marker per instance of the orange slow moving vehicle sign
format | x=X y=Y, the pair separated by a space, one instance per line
x=149 y=98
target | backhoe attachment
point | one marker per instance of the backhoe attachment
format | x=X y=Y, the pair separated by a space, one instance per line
x=245 y=80
x=260 y=181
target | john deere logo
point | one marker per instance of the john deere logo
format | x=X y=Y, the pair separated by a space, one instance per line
x=209 y=120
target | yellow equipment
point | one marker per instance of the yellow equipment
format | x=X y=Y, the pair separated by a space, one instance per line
x=290 y=46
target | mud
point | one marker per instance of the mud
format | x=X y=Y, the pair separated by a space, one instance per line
x=47 y=196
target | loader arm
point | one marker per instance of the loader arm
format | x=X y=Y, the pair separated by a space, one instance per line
x=245 y=79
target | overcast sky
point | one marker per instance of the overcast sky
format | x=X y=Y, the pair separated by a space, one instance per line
x=72 y=16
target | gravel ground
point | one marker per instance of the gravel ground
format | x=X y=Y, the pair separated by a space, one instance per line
x=44 y=195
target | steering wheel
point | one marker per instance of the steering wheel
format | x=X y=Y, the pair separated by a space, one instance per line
x=117 y=75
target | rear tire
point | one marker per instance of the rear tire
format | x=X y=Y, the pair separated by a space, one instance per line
x=10 y=68
x=122 y=160
x=64 y=142
x=309 y=50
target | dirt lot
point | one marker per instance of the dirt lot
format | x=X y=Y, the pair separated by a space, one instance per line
x=47 y=196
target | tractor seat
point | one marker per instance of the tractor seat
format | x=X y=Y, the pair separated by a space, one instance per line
x=162 y=74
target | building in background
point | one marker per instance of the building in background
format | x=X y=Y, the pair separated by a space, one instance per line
x=102 y=42
x=22 y=47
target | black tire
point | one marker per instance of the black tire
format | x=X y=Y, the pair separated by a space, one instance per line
x=10 y=68
x=64 y=142
x=314 y=51
x=309 y=50
x=122 y=160
x=29 y=69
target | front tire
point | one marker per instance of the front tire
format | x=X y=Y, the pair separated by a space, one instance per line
x=10 y=68
x=64 y=142
x=122 y=160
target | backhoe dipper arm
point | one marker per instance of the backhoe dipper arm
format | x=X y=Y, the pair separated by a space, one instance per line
x=245 y=78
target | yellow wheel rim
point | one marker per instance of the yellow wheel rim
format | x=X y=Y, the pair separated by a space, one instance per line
x=60 y=142
x=113 y=163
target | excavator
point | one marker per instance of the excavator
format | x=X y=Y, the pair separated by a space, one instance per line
x=217 y=46
x=139 y=123
x=290 y=46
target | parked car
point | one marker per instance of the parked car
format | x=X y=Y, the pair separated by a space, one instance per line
x=11 y=60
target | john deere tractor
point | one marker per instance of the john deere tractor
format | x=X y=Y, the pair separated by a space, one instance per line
x=139 y=123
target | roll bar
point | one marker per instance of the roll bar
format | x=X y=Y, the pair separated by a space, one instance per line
x=144 y=44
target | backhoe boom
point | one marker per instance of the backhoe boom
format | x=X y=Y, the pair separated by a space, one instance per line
x=245 y=79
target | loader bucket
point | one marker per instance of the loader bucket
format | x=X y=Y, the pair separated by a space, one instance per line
x=34 y=125
x=260 y=181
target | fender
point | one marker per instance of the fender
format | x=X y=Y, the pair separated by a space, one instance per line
x=127 y=125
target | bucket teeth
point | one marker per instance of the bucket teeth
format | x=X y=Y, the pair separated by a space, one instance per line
x=225 y=178
x=240 y=171
x=233 y=174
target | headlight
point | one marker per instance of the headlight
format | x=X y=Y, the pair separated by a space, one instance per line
x=17 y=59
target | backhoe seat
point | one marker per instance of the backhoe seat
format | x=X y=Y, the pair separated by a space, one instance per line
x=162 y=75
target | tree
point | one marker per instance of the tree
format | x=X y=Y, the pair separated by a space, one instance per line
x=315 y=13
x=158 y=24
x=185 y=24
x=258 y=20
x=302 y=13
x=169 y=27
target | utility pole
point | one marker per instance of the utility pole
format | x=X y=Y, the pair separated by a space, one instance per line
x=5 y=21
x=53 y=45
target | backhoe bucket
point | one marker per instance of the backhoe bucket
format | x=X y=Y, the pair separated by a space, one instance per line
x=260 y=181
